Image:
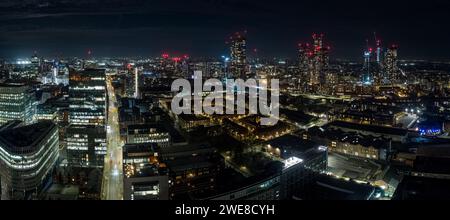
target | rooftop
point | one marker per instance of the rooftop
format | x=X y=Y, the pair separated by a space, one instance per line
x=147 y=148
x=422 y=188
x=369 y=128
x=330 y=188
x=145 y=128
x=290 y=142
x=9 y=83
x=350 y=137
x=15 y=136
x=297 y=116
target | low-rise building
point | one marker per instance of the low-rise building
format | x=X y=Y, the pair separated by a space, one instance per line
x=145 y=175
x=352 y=143
x=395 y=134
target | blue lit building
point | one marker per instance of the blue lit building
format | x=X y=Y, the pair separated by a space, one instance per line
x=430 y=128
x=367 y=78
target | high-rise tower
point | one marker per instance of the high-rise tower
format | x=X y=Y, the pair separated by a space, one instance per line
x=313 y=62
x=320 y=61
x=367 y=76
x=86 y=135
x=238 y=51
x=390 y=64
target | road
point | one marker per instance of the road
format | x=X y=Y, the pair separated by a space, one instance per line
x=112 y=187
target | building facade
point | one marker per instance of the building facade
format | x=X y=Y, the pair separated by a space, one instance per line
x=86 y=146
x=86 y=135
x=145 y=175
x=145 y=133
x=16 y=103
x=87 y=96
x=238 y=50
x=28 y=154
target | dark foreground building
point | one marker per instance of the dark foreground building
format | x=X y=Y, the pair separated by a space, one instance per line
x=300 y=163
x=422 y=188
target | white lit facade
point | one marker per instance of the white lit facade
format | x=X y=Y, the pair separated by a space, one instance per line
x=27 y=157
x=16 y=103
x=86 y=135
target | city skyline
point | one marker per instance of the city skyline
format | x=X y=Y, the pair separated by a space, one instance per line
x=237 y=100
x=200 y=28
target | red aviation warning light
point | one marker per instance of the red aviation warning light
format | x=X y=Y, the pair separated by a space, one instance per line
x=129 y=66
x=165 y=55
x=176 y=59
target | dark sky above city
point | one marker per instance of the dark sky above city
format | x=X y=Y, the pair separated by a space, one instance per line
x=200 y=27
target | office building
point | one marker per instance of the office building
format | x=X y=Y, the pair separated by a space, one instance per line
x=147 y=133
x=16 y=103
x=87 y=96
x=28 y=154
x=86 y=136
x=86 y=145
x=145 y=175
x=132 y=83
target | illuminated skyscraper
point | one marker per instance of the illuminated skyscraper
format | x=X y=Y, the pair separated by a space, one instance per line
x=367 y=76
x=390 y=64
x=379 y=51
x=238 y=51
x=313 y=62
x=86 y=136
x=136 y=83
x=87 y=96
x=320 y=61
x=371 y=73
x=16 y=103
x=132 y=83
x=304 y=63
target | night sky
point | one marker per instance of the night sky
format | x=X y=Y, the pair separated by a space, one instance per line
x=200 y=27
